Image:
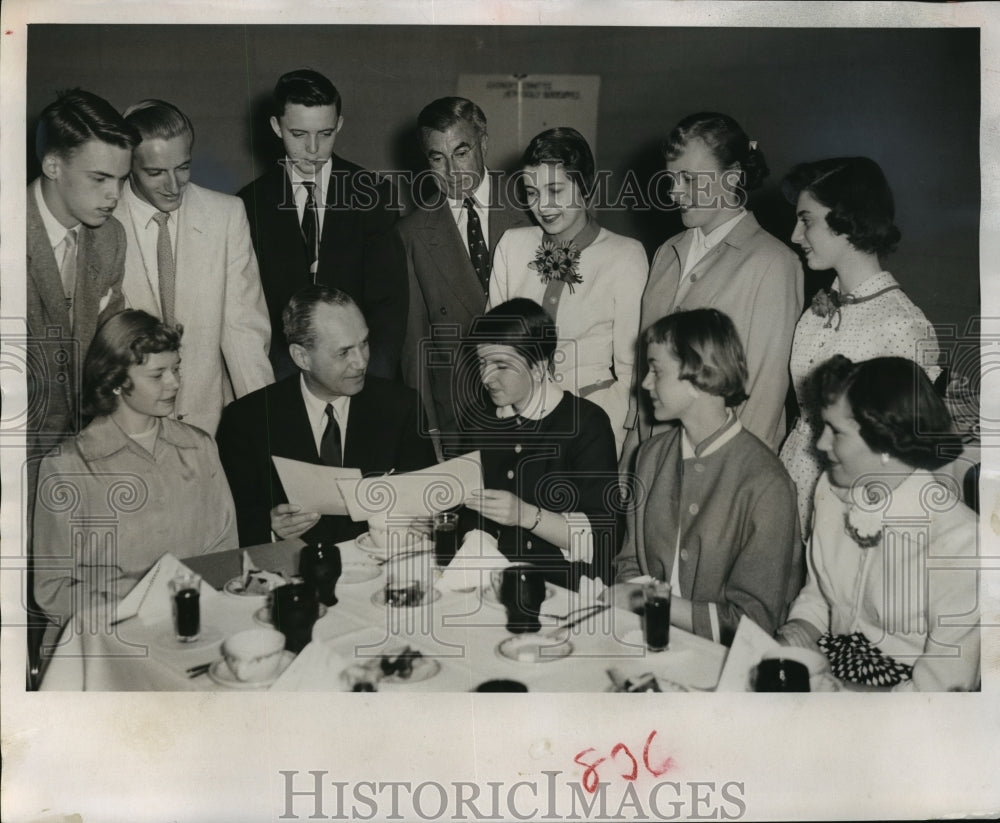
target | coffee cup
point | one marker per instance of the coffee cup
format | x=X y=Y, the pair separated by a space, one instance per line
x=253 y=655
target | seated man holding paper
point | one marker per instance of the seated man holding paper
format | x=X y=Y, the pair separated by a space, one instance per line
x=331 y=415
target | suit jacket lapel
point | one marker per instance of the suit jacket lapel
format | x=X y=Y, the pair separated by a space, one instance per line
x=446 y=248
x=193 y=239
x=363 y=435
x=137 y=286
x=43 y=268
x=290 y=428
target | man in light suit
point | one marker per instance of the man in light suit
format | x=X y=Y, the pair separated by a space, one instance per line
x=318 y=218
x=190 y=261
x=449 y=275
x=75 y=264
x=370 y=423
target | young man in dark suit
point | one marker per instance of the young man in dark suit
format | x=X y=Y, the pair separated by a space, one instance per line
x=331 y=413
x=449 y=241
x=317 y=218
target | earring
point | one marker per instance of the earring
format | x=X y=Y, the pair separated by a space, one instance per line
x=885 y=458
x=117 y=391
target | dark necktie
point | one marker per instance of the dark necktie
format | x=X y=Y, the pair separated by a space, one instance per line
x=329 y=445
x=478 y=250
x=310 y=227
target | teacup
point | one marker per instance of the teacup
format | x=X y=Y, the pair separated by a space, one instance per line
x=253 y=655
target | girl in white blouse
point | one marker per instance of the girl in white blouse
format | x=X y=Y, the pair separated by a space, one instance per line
x=845 y=212
x=590 y=280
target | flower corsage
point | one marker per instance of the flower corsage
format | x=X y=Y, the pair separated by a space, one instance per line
x=557 y=261
x=826 y=303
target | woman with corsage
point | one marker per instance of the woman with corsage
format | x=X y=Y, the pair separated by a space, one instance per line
x=714 y=509
x=551 y=494
x=135 y=483
x=590 y=280
x=844 y=222
x=724 y=260
x=891 y=596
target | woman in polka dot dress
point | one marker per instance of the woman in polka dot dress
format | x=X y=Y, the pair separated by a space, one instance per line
x=844 y=222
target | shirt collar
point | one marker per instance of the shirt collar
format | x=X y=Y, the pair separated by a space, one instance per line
x=540 y=405
x=481 y=195
x=104 y=437
x=316 y=406
x=877 y=282
x=715 y=441
x=298 y=179
x=142 y=211
x=718 y=234
x=55 y=230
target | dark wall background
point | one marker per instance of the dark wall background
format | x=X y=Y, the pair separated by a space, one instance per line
x=909 y=98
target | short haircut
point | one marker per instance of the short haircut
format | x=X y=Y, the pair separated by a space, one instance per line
x=706 y=343
x=726 y=140
x=78 y=116
x=521 y=324
x=297 y=317
x=158 y=119
x=896 y=407
x=123 y=340
x=305 y=87
x=445 y=112
x=567 y=147
x=858 y=196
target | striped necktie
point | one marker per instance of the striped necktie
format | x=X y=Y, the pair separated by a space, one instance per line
x=165 y=269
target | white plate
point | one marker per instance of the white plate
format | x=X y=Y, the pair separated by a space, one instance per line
x=360 y=572
x=415 y=543
x=263 y=615
x=423 y=669
x=219 y=673
x=164 y=638
x=534 y=648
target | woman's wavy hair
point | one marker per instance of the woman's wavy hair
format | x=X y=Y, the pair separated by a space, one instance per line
x=709 y=349
x=726 y=140
x=521 y=324
x=858 y=196
x=123 y=340
x=897 y=409
x=567 y=147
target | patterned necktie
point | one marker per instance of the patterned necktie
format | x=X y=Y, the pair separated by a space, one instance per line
x=67 y=270
x=165 y=269
x=310 y=227
x=329 y=446
x=478 y=250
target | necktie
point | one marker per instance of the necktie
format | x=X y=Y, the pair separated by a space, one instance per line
x=310 y=226
x=67 y=270
x=165 y=270
x=478 y=250
x=329 y=445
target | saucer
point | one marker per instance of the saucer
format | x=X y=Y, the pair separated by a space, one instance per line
x=165 y=639
x=263 y=615
x=219 y=673
x=534 y=648
x=415 y=544
x=360 y=572
x=379 y=599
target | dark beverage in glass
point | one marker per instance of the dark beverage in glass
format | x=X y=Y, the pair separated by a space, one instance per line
x=780 y=675
x=656 y=616
x=184 y=591
x=445 y=537
x=522 y=592
x=294 y=610
x=320 y=567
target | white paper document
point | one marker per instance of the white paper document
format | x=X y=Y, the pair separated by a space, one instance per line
x=415 y=494
x=313 y=487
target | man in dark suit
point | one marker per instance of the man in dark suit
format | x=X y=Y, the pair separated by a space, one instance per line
x=316 y=218
x=331 y=413
x=449 y=242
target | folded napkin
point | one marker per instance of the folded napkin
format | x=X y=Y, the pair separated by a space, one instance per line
x=316 y=668
x=478 y=556
x=750 y=644
x=150 y=598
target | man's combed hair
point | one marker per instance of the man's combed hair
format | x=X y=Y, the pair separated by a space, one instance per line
x=706 y=343
x=297 y=318
x=78 y=116
x=305 y=87
x=123 y=340
x=445 y=112
x=158 y=119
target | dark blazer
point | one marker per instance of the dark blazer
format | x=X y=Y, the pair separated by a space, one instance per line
x=359 y=254
x=445 y=296
x=381 y=435
x=56 y=350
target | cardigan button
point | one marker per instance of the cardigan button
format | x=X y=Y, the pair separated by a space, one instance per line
x=684 y=554
x=693 y=508
x=527 y=545
x=694 y=278
x=444 y=310
x=510 y=474
x=518 y=449
x=699 y=467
